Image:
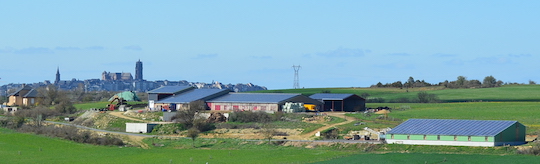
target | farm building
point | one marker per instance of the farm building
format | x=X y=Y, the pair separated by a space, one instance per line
x=340 y=102
x=183 y=99
x=140 y=127
x=271 y=102
x=24 y=96
x=164 y=92
x=457 y=132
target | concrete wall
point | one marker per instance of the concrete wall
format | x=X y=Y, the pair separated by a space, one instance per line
x=447 y=143
x=442 y=140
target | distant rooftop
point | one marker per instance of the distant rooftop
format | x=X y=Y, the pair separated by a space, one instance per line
x=194 y=95
x=170 y=89
x=255 y=97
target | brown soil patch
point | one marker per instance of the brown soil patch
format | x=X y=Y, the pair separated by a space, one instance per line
x=137 y=141
x=310 y=135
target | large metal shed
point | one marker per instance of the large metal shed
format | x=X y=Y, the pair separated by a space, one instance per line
x=183 y=99
x=340 y=102
x=164 y=92
x=457 y=132
x=271 y=102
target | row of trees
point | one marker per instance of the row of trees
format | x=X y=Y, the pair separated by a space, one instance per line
x=460 y=82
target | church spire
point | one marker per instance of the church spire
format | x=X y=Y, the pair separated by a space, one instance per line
x=57 y=80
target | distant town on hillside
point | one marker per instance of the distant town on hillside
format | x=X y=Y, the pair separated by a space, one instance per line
x=124 y=81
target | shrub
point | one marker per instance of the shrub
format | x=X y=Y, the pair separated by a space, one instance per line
x=533 y=150
x=168 y=128
x=332 y=133
x=249 y=116
x=71 y=133
x=202 y=125
x=424 y=97
x=34 y=113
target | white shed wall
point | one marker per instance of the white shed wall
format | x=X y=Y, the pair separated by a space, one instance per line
x=139 y=127
x=447 y=143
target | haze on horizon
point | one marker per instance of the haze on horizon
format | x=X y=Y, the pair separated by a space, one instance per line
x=337 y=43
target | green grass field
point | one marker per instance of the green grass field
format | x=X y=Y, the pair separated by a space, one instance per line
x=39 y=149
x=512 y=102
x=415 y=158
x=15 y=148
x=504 y=93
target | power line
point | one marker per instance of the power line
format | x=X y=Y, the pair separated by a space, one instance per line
x=296 y=79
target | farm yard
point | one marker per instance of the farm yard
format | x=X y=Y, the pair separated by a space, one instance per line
x=225 y=143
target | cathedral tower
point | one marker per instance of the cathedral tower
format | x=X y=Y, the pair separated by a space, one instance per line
x=138 y=71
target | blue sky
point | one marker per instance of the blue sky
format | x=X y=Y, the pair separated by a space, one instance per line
x=336 y=43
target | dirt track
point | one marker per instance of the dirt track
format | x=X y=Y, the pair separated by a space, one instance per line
x=254 y=135
x=311 y=134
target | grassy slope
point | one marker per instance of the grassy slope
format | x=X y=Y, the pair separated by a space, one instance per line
x=231 y=151
x=98 y=105
x=432 y=158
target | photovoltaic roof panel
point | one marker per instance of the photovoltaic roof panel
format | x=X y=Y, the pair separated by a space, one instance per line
x=452 y=127
x=169 y=89
x=193 y=95
x=254 y=97
x=330 y=96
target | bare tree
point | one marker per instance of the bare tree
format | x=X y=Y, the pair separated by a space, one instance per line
x=193 y=133
x=50 y=95
x=461 y=81
x=189 y=117
x=268 y=132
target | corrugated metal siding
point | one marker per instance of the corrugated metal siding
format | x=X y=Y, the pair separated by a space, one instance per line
x=170 y=89
x=152 y=96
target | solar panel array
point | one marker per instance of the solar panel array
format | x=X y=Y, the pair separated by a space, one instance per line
x=330 y=96
x=253 y=98
x=169 y=89
x=193 y=95
x=452 y=127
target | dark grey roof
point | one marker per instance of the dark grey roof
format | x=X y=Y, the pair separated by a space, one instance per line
x=330 y=96
x=452 y=127
x=31 y=93
x=169 y=89
x=254 y=97
x=16 y=93
x=194 y=95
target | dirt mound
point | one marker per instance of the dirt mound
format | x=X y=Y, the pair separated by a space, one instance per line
x=316 y=119
x=384 y=111
x=143 y=115
x=216 y=117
